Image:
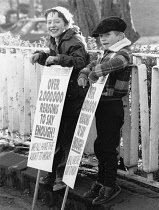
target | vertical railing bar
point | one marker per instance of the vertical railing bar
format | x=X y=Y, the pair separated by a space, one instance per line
x=20 y=69
x=126 y=131
x=154 y=126
x=134 y=136
x=27 y=111
x=144 y=115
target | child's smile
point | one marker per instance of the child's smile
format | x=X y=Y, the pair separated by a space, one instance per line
x=55 y=24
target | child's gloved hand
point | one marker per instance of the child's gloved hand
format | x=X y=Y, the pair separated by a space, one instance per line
x=82 y=82
x=92 y=78
x=33 y=59
x=51 y=60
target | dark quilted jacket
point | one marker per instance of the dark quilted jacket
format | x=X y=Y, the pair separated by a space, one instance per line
x=72 y=52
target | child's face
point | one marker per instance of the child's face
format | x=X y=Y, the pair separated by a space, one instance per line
x=109 y=38
x=55 y=25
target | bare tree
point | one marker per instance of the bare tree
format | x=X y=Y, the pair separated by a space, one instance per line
x=87 y=14
x=122 y=9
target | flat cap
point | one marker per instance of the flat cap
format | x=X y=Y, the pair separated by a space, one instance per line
x=112 y=23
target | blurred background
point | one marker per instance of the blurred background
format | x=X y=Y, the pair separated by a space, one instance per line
x=25 y=17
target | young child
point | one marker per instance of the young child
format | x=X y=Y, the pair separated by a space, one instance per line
x=117 y=64
x=68 y=49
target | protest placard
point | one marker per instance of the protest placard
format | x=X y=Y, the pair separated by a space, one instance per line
x=82 y=130
x=49 y=108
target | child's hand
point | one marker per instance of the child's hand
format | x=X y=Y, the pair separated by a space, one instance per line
x=33 y=59
x=51 y=60
x=92 y=78
x=82 y=82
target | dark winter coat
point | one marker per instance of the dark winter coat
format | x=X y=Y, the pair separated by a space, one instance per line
x=72 y=52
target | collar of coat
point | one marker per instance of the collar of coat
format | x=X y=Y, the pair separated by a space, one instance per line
x=69 y=33
x=64 y=36
x=119 y=45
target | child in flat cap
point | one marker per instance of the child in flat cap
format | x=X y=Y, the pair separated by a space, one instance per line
x=117 y=64
x=68 y=49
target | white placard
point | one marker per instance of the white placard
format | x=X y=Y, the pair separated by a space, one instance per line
x=49 y=108
x=82 y=130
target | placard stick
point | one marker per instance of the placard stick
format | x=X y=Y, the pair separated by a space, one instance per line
x=36 y=189
x=65 y=198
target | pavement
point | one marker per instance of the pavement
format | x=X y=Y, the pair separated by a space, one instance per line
x=15 y=173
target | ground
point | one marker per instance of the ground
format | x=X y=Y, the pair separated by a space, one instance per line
x=11 y=199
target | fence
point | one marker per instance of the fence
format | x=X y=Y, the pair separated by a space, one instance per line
x=19 y=84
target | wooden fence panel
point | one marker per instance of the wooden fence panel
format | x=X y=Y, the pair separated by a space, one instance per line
x=33 y=92
x=27 y=111
x=154 y=125
x=2 y=83
x=19 y=87
x=35 y=79
x=144 y=115
x=12 y=94
x=134 y=135
x=4 y=96
x=20 y=69
x=1 y=89
x=39 y=72
x=126 y=132
x=10 y=91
